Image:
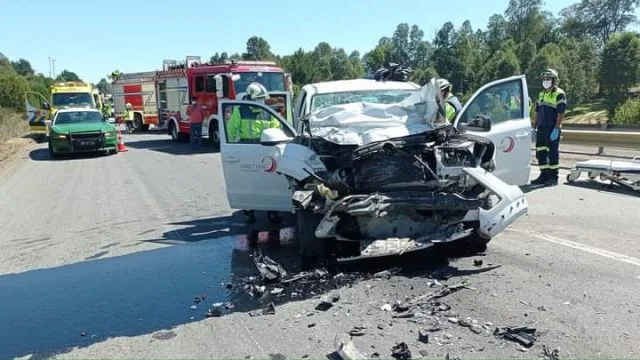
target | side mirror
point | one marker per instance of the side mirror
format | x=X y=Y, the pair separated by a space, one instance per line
x=479 y=123
x=273 y=136
x=46 y=106
x=47 y=122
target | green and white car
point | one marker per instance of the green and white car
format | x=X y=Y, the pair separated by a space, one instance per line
x=75 y=130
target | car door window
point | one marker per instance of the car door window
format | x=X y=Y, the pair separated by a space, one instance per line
x=244 y=123
x=501 y=102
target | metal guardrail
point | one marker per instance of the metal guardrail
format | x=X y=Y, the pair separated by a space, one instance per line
x=602 y=138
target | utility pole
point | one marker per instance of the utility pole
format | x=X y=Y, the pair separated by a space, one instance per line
x=54 y=67
x=50 y=66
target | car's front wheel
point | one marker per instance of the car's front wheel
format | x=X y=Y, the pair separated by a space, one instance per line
x=52 y=152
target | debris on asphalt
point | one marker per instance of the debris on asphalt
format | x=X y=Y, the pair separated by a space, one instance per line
x=198 y=299
x=345 y=348
x=423 y=336
x=310 y=325
x=276 y=291
x=268 y=268
x=387 y=274
x=477 y=262
x=524 y=303
x=269 y=310
x=401 y=351
x=335 y=297
x=194 y=307
x=446 y=290
x=542 y=308
x=400 y=307
x=386 y=307
x=324 y=305
x=83 y=334
x=358 y=331
x=375 y=355
x=215 y=310
x=522 y=335
x=424 y=353
x=453 y=320
x=550 y=354
x=380 y=327
x=229 y=286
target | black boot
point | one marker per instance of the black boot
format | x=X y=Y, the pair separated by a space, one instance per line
x=541 y=178
x=552 y=180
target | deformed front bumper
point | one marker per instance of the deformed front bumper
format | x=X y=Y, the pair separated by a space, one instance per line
x=395 y=209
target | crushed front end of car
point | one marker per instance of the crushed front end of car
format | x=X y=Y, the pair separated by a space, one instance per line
x=388 y=179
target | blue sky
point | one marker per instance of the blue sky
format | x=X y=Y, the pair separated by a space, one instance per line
x=93 y=38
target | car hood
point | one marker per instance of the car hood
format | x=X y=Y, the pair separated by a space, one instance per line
x=83 y=127
x=364 y=123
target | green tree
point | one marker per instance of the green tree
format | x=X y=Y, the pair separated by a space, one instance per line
x=219 y=58
x=444 y=55
x=258 y=49
x=496 y=33
x=423 y=75
x=67 y=75
x=503 y=63
x=599 y=19
x=104 y=86
x=13 y=88
x=524 y=19
x=379 y=56
x=22 y=67
x=620 y=68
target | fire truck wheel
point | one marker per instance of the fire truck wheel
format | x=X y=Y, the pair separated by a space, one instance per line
x=214 y=135
x=137 y=122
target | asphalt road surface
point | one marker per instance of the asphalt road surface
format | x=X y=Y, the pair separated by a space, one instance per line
x=102 y=256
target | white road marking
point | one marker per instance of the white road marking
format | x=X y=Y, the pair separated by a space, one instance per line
x=578 y=246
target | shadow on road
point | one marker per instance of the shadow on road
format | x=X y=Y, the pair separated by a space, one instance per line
x=613 y=189
x=43 y=155
x=168 y=146
x=50 y=311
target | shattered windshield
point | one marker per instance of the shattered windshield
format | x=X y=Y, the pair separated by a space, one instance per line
x=365 y=122
x=72 y=99
x=321 y=101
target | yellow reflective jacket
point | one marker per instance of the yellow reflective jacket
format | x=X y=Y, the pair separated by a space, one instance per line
x=249 y=126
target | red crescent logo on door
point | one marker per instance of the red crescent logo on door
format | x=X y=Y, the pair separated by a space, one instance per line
x=508 y=144
x=268 y=164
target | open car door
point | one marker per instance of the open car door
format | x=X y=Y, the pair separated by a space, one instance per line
x=506 y=103
x=250 y=167
x=37 y=113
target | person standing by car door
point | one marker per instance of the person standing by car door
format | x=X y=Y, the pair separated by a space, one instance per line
x=196 y=116
x=452 y=103
x=547 y=122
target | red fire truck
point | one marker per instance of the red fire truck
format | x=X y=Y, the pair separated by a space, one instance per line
x=139 y=90
x=177 y=83
x=208 y=83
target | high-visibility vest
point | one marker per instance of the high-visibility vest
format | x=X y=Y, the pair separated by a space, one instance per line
x=249 y=125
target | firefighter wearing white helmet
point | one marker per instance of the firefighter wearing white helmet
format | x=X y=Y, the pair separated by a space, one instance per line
x=128 y=113
x=547 y=122
x=452 y=103
x=247 y=122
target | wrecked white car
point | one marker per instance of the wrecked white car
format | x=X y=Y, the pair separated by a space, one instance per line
x=383 y=179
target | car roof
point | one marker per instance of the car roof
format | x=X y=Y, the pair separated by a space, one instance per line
x=74 y=109
x=359 y=84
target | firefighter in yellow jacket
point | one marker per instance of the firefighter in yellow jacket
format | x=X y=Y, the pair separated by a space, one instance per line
x=247 y=122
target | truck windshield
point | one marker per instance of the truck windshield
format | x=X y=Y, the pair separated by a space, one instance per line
x=78 y=117
x=72 y=99
x=273 y=81
x=322 y=101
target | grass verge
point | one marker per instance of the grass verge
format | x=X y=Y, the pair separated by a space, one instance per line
x=14 y=133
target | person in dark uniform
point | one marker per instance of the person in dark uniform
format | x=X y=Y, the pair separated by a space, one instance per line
x=547 y=121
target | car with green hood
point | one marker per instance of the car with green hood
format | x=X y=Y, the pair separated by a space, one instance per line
x=79 y=130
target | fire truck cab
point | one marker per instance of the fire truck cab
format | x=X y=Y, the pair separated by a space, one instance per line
x=210 y=83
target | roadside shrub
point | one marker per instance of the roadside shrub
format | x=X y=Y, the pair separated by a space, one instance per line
x=12 y=124
x=13 y=88
x=628 y=113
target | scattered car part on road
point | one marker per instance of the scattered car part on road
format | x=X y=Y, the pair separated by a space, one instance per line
x=523 y=335
x=625 y=173
x=346 y=349
x=269 y=310
x=269 y=269
x=401 y=351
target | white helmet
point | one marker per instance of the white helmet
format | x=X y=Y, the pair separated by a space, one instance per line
x=128 y=105
x=443 y=84
x=257 y=91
